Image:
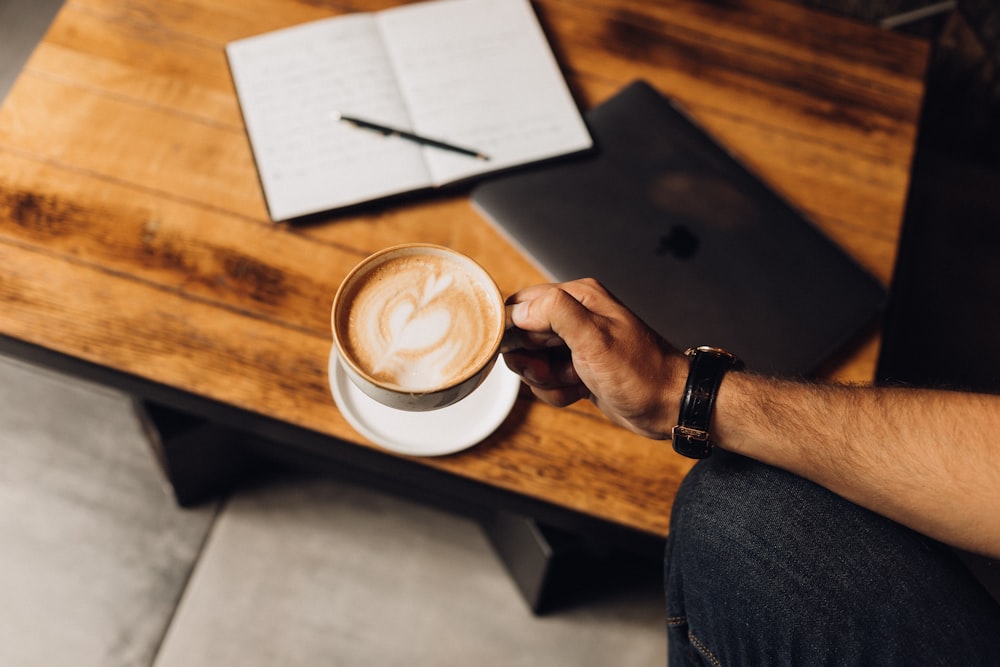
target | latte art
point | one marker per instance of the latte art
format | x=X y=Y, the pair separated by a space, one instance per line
x=421 y=322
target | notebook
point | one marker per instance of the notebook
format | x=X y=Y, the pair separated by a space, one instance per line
x=476 y=74
x=688 y=238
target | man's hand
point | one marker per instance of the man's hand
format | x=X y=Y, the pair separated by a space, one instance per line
x=925 y=458
x=574 y=340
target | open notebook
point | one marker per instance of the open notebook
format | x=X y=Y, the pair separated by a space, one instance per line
x=474 y=73
x=681 y=232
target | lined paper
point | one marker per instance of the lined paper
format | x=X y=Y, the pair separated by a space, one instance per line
x=476 y=73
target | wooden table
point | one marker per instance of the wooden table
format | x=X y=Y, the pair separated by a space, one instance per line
x=135 y=247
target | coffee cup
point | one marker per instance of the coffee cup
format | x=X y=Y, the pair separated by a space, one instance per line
x=417 y=326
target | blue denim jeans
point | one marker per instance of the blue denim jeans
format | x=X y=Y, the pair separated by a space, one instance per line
x=765 y=568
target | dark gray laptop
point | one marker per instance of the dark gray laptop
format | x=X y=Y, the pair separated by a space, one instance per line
x=688 y=238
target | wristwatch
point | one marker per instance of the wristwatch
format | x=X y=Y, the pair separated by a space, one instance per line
x=708 y=366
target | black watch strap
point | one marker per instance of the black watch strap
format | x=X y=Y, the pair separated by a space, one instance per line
x=708 y=366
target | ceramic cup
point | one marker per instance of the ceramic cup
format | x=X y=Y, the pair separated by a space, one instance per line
x=417 y=326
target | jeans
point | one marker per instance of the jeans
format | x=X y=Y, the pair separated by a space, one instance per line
x=766 y=568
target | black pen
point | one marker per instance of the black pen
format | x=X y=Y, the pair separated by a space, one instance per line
x=403 y=134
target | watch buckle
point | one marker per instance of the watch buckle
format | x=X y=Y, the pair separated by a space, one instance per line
x=691 y=442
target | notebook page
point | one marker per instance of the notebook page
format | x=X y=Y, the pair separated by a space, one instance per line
x=290 y=82
x=480 y=73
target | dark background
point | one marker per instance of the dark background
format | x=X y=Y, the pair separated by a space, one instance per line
x=942 y=324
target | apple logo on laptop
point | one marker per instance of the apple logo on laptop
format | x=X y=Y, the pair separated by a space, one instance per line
x=681 y=242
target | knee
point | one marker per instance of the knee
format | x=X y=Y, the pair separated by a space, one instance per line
x=751 y=539
x=729 y=501
x=758 y=559
x=728 y=557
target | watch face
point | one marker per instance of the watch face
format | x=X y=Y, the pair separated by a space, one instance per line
x=718 y=353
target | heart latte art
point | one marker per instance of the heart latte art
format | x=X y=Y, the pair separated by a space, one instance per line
x=421 y=321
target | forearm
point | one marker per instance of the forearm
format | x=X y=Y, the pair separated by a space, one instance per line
x=924 y=458
x=927 y=459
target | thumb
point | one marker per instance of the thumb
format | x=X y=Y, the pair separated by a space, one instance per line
x=553 y=310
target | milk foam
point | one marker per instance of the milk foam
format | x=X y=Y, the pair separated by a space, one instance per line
x=421 y=322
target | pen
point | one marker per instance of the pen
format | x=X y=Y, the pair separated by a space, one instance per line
x=403 y=134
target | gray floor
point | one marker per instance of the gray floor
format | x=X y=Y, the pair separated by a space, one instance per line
x=98 y=566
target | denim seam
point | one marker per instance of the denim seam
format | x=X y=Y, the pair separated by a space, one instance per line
x=703 y=650
x=677 y=620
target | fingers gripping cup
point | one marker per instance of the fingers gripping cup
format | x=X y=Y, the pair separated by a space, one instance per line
x=417 y=327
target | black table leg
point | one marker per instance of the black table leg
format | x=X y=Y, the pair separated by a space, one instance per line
x=201 y=460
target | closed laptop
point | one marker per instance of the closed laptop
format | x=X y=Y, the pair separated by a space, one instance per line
x=688 y=238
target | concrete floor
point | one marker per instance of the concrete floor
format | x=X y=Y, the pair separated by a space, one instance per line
x=99 y=567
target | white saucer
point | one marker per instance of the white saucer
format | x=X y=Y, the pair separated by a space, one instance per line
x=435 y=433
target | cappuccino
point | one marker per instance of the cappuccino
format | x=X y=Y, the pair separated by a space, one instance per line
x=419 y=318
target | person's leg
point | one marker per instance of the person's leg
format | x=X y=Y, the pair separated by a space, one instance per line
x=763 y=567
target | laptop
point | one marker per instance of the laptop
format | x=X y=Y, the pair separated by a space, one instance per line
x=688 y=238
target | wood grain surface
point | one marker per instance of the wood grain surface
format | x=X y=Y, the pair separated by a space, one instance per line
x=133 y=233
